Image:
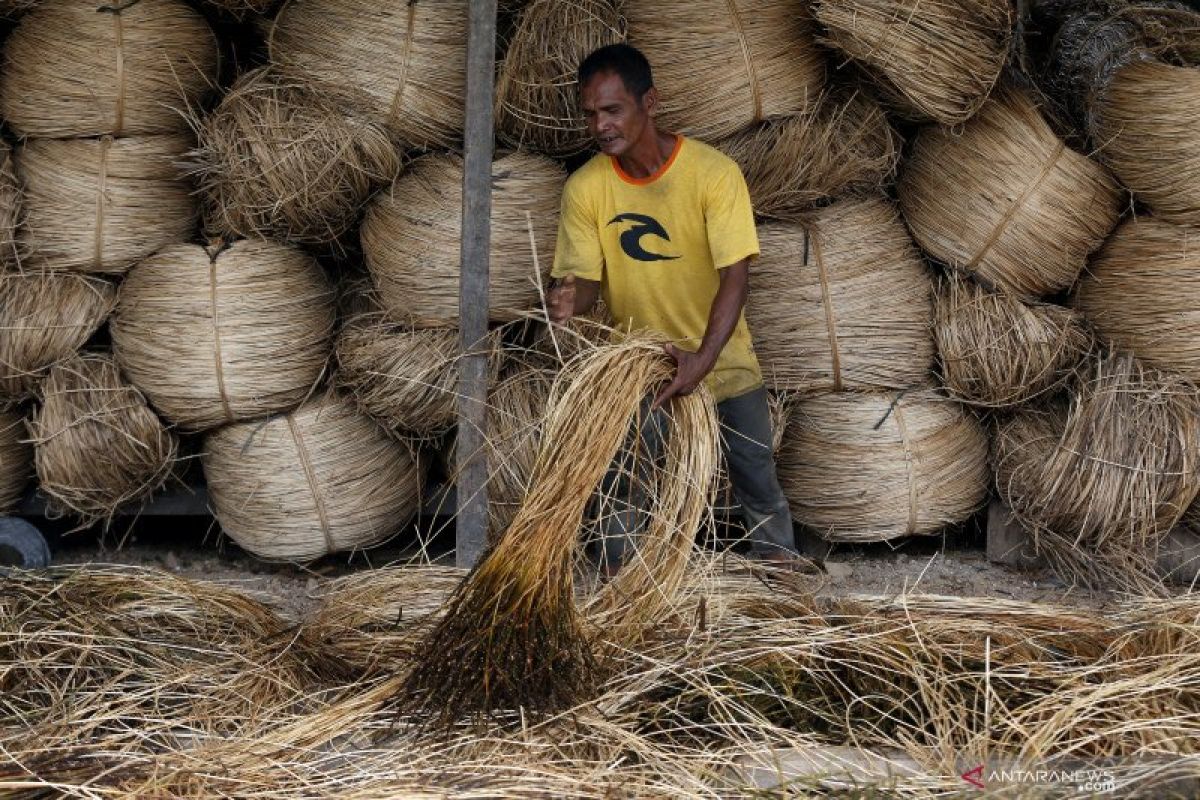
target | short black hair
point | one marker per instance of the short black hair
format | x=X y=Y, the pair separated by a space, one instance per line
x=622 y=60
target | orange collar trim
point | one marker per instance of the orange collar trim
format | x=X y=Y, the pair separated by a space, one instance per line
x=652 y=177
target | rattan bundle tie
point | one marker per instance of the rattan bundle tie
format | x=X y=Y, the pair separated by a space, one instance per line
x=905 y=443
x=812 y=239
x=118 y=30
x=218 y=361
x=735 y=20
x=405 y=58
x=1012 y=210
x=311 y=477
x=101 y=180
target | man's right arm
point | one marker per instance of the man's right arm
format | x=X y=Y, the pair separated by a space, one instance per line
x=578 y=257
x=571 y=296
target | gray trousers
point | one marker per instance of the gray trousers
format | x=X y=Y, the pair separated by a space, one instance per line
x=746 y=440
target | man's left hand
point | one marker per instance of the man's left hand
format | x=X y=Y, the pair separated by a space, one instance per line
x=690 y=370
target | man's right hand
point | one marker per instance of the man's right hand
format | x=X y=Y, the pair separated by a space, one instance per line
x=560 y=301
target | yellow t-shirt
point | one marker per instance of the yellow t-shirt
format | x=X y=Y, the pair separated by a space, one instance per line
x=656 y=243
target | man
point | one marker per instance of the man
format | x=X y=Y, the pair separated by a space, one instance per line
x=662 y=226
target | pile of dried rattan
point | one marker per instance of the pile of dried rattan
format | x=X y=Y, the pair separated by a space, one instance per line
x=537 y=99
x=1138 y=293
x=410 y=237
x=996 y=350
x=842 y=303
x=99 y=205
x=75 y=68
x=721 y=65
x=1100 y=480
x=935 y=61
x=97 y=445
x=16 y=459
x=44 y=318
x=1006 y=199
x=276 y=159
x=870 y=467
x=318 y=480
x=10 y=207
x=517 y=409
x=404 y=65
x=216 y=335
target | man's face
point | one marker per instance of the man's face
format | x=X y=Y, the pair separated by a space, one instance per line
x=614 y=117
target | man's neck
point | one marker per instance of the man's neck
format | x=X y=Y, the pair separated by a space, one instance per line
x=648 y=154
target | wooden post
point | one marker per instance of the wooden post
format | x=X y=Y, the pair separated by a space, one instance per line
x=471 y=457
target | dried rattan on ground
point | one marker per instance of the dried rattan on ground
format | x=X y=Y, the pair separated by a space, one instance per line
x=996 y=350
x=721 y=65
x=321 y=479
x=44 y=318
x=99 y=205
x=10 y=207
x=1149 y=135
x=935 y=61
x=872 y=467
x=1140 y=293
x=220 y=335
x=275 y=159
x=76 y=68
x=410 y=237
x=537 y=99
x=97 y=445
x=845 y=303
x=16 y=459
x=1006 y=199
x=838 y=147
x=404 y=64
x=1100 y=481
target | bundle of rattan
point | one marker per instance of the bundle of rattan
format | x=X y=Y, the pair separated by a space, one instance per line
x=996 y=350
x=516 y=413
x=1139 y=292
x=10 y=206
x=1006 y=199
x=219 y=335
x=44 y=318
x=318 y=480
x=86 y=69
x=243 y=8
x=721 y=65
x=870 y=467
x=99 y=205
x=404 y=65
x=16 y=459
x=276 y=159
x=410 y=237
x=537 y=99
x=935 y=61
x=1098 y=482
x=1149 y=135
x=843 y=303
x=837 y=147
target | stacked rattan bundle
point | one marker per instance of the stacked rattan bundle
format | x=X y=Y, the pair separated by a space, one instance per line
x=98 y=446
x=44 y=318
x=402 y=64
x=16 y=459
x=1006 y=199
x=410 y=237
x=219 y=335
x=996 y=350
x=99 y=205
x=321 y=479
x=870 y=467
x=10 y=206
x=724 y=64
x=276 y=159
x=843 y=303
x=87 y=69
x=935 y=61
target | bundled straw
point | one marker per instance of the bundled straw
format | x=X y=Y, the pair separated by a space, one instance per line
x=275 y=159
x=1100 y=481
x=1139 y=292
x=1148 y=135
x=219 y=335
x=99 y=205
x=16 y=459
x=404 y=65
x=998 y=351
x=835 y=148
x=537 y=99
x=516 y=417
x=10 y=206
x=870 y=467
x=44 y=318
x=721 y=65
x=318 y=480
x=98 y=446
x=935 y=61
x=1007 y=200
x=511 y=637
x=410 y=237
x=77 y=68
x=843 y=303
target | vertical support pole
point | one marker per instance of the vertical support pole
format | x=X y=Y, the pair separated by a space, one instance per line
x=471 y=457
